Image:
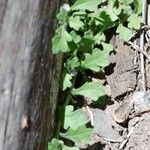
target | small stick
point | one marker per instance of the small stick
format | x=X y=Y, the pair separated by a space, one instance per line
x=143 y=86
x=128 y=136
x=91 y=115
x=136 y=47
x=146 y=27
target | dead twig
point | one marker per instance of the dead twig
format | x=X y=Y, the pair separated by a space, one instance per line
x=136 y=47
x=128 y=136
x=143 y=83
x=145 y=27
x=90 y=115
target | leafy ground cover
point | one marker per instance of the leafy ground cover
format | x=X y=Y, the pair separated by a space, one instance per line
x=82 y=37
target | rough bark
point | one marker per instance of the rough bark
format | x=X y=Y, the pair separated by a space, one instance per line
x=28 y=74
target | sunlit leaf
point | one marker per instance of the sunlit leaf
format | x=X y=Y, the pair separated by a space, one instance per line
x=86 y=4
x=81 y=134
x=74 y=119
x=92 y=90
x=124 y=33
x=60 y=40
x=96 y=60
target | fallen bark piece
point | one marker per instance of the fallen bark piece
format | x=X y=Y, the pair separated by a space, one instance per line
x=138 y=103
x=121 y=114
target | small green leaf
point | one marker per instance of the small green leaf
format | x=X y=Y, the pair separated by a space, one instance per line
x=124 y=33
x=92 y=90
x=88 y=34
x=117 y=10
x=126 y=2
x=95 y=60
x=80 y=135
x=60 y=40
x=69 y=148
x=55 y=145
x=86 y=44
x=72 y=46
x=73 y=63
x=127 y=10
x=107 y=47
x=67 y=81
x=99 y=37
x=138 y=6
x=90 y=5
x=74 y=119
x=111 y=13
x=111 y=2
x=135 y=21
x=80 y=13
x=76 y=38
x=75 y=23
x=95 y=14
x=62 y=16
x=105 y=21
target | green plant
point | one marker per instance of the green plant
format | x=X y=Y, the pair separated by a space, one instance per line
x=81 y=36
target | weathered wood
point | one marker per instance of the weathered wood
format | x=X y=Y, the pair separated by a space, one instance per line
x=28 y=74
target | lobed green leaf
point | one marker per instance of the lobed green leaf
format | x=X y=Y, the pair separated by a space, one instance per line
x=90 y=5
x=138 y=6
x=92 y=90
x=69 y=148
x=80 y=135
x=96 y=60
x=76 y=38
x=62 y=16
x=74 y=119
x=55 y=144
x=135 y=21
x=66 y=81
x=124 y=33
x=73 y=63
x=75 y=23
x=60 y=40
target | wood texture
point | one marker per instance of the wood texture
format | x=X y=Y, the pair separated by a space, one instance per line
x=28 y=74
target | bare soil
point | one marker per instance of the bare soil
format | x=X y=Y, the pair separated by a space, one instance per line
x=115 y=127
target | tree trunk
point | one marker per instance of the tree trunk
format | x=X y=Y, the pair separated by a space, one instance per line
x=29 y=74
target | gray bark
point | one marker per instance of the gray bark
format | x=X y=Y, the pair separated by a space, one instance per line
x=29 y=74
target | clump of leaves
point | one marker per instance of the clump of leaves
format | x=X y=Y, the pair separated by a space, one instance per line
x=81 y=37
x=59 y=145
